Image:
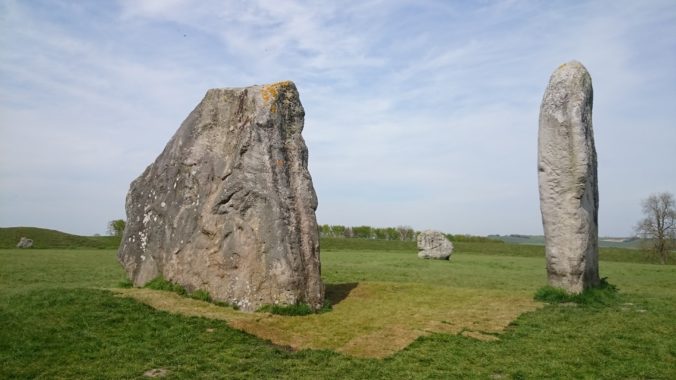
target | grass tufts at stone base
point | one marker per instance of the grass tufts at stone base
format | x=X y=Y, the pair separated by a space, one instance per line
x=298 y=309
x=289 y=310
x=160 y=283
x=602 y=295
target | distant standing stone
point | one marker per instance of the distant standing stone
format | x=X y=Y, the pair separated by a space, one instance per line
x=25 y=243
x=569 y=198
x=434 y=245
x=229 y=207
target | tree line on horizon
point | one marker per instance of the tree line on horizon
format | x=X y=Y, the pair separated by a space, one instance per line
x=657 y=230
x=401 y=233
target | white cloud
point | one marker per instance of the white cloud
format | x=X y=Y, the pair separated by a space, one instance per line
x=417 y=112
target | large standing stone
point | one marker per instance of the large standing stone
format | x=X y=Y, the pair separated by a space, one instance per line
x=24 y=242
x=228 y=207
x=569 y=197
x=434 y=245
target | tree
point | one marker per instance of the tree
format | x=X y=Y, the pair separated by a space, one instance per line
x=362 y=232
x=325 y=231
x=338 y=231
x=406 y=233
x=116 y=227
x=658 y=228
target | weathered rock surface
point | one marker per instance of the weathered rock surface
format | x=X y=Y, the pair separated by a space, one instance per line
x=569 y=197
x=228 y=207
x=24 y=242
x=434 y=245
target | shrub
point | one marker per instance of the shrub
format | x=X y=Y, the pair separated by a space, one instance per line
x=201 y=295
x=298 y=309
x=159 y=283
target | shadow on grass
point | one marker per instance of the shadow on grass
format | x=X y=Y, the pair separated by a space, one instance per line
x=335 y=293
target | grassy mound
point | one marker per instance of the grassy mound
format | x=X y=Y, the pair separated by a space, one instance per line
x=51 y=239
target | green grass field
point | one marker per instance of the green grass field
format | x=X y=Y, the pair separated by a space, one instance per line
x=59 y=321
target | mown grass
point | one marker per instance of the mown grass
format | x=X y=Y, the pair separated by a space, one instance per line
x=56 y=323
x=485 y=248
x=355 y=244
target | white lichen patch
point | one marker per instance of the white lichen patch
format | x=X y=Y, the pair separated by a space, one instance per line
x=144 y=240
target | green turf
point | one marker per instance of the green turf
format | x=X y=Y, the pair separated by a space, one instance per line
x=352 y=244
x=485 y=248
x=57 y=323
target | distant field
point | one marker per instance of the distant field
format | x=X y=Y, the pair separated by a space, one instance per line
x=485 y=248
x=58 y=321
x=604 y=242
x=522 y=246
x=52 y=239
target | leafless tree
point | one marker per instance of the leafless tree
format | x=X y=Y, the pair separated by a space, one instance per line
x=658 y=228
x=405 y=232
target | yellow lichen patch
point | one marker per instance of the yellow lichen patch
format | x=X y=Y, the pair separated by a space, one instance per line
x=270 y=91
x=374 y=319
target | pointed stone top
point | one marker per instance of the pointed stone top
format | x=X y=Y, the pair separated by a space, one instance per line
x=572 y=71
x=569 y=84
x=574 y=64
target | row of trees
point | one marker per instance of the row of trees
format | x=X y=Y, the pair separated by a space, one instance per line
x=657 y=229
x=403 y=233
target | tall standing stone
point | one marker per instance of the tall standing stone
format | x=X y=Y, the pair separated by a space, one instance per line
x=228 y=207
x=569 y=198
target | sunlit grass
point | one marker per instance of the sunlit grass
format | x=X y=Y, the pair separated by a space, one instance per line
x=57 y=322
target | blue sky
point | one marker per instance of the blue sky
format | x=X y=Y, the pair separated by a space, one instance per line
x=420 y=113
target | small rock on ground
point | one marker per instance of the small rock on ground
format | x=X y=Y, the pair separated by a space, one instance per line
x=156 y=372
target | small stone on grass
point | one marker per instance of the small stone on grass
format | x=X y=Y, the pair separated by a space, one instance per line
x=156 y=372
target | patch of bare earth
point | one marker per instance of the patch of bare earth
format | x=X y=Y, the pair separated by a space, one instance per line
x=369 y=319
